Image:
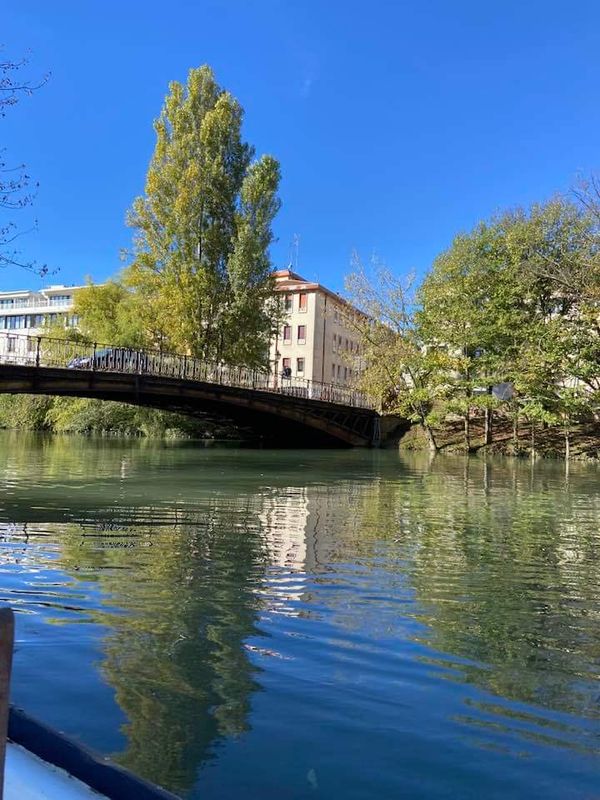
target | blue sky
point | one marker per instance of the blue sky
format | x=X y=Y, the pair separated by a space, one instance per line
x=397 y=124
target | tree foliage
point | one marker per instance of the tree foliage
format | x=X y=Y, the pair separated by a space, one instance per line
x=406 y=377
x=201 y=272
x=514 y=302
x=109 y=313
x=99 y=417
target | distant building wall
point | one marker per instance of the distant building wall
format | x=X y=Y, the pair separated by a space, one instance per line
x=315 y=341
x=32 y=312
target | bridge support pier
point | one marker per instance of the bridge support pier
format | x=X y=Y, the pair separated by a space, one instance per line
x=391 y=429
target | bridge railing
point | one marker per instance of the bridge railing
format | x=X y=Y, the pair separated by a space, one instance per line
x=45 y=351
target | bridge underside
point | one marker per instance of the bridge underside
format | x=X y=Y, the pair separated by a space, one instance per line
x=277 y=419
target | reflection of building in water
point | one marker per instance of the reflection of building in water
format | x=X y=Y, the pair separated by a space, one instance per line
x=283 y=519
x=304 y=526
x=283 y=515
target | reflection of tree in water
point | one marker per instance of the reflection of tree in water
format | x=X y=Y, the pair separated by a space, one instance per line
x=498 y=561
x=176 y=657
x=504 y=565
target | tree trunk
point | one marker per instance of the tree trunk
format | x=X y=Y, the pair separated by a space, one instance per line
x=468 y=431
x=488 y=432
x=430 y=437
x=567 y=443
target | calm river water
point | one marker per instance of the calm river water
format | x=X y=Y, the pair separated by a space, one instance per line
x=234 y=623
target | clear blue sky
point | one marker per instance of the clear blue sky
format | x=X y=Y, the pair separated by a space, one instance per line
x=397 y=124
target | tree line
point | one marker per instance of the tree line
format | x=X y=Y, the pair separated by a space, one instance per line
x=512 y=304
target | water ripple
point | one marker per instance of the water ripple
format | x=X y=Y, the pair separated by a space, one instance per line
x=365 y=625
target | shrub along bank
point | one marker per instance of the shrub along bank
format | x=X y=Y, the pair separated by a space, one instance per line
x=100 y=417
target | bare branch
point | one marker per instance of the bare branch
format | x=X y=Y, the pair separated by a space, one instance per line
x=14 y=180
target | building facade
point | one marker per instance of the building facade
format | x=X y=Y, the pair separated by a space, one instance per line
x=315 y=341
x=30 y=313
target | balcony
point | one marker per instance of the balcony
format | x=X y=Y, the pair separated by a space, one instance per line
x=41 y=302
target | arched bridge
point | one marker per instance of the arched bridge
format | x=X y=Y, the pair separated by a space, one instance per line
x=282 y=411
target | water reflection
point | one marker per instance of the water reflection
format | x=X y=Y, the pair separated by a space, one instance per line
x=184 y=584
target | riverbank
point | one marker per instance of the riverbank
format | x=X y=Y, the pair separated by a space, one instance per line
x=547 y=442
x=91 y=417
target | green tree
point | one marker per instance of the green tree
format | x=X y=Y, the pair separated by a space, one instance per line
x=201 y=271
x=109 y=314
x=27 y=412
x=471 y=303
x=504 y=300
x=407 y=377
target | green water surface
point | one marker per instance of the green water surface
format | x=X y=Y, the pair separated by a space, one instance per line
x=341 y=624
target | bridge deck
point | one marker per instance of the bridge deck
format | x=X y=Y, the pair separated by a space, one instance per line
x=268 y=402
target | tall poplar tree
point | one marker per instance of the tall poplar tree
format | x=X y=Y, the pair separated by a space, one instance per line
x=201 y=267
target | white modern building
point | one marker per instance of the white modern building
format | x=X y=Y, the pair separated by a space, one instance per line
x=315 y=341
x=29 y=313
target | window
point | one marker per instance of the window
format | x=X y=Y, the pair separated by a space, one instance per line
x=345 y=373
x=6 y=303
x=302 y=301
x=287 y=334
x=334 y=345
x=16 y=322
x=286 y=363
x=339 y=372
x=34 y=320
x=333 y=372
x=301 y=334
x=12 y=344
x=60 y=299
x=288 y=302
x=300 y=366
x=346 y=345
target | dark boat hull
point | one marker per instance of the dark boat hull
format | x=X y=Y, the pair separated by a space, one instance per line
x=93 y=769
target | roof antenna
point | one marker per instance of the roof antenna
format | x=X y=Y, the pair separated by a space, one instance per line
x=294 y=252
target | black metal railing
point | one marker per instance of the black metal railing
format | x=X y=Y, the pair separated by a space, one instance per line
x=45 y=351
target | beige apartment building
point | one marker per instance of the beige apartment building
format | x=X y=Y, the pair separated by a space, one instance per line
x=315 y=341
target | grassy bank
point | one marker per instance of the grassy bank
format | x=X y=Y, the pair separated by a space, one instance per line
x=548 y=442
